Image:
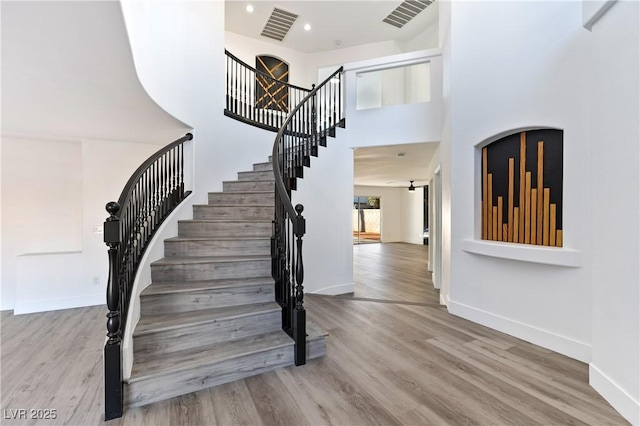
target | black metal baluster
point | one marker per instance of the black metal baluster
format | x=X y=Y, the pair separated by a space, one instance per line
x=163 y=186
x=252 y=101
x=340 y=96
x=176 y=192
x=182 y=169
x=244 y=93
x=236 y=87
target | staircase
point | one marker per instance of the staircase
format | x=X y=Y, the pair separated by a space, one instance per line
x=209 y=316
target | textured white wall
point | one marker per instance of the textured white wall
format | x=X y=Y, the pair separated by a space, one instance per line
x=396 y=124
x=507 y=74
x=57 y=93
x=53 y=196
x=401 y=212
x=615 y=58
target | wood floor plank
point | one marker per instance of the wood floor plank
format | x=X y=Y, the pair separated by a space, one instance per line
x=387 y=363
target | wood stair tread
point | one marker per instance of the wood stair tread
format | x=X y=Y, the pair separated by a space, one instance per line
x=157 y=323
x=214 y=238
x=248 y=181
x=234 y=205
x=188 y=359
x=189 y=286
x=209 y=259
x=225 y=220
x=314 y=331
x=242 y=192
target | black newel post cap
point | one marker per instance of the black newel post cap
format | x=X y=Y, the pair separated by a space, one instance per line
x=112 y=208
x=112 y=224
x=300 y=226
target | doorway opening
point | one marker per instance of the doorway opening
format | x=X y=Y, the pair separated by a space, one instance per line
x=366 y=219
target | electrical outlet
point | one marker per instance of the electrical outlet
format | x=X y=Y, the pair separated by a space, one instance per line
x=96 y=280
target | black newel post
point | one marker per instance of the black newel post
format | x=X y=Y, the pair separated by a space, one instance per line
x=299 y=314
x=113 y=395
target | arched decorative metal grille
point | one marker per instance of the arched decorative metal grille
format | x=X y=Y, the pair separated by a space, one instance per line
x=272 y=94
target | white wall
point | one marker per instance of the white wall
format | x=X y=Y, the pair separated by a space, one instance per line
x=413 y=215
x=326 y=192
x=67 y=71
x=246 y=49
x=305 y=67
x=427 y=39
x=187 y=79
x=53 y=198
x=331 y=60
x=401 y=212
x=59 y=102
x=615 y=362
x=421 y=122
x=507 y=74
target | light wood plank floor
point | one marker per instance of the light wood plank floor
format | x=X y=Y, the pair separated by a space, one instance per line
x=388 y=363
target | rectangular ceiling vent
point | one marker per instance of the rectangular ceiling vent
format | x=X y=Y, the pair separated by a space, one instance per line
x=279 y=24
x=406 y=12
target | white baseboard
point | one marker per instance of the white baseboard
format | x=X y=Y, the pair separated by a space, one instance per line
x=615 y=395
x=555 y=342
x=444 y=301
x=43 y=305
x=335 y=290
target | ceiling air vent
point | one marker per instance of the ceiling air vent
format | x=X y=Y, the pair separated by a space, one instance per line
x=279 y=24
x=406 y=12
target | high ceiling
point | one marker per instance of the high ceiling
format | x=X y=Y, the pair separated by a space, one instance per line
x=334 y=24
x=381 y=165
x=55 y=81
x=340 y=24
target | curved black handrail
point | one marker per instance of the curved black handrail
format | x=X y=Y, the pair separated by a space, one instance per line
x=305 y=128
x=257 y=98
x=152 y=192
x=280 y=188
x=128 y=188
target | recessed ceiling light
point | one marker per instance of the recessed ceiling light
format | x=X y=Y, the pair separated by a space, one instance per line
x=307 y=27
x=249 y=8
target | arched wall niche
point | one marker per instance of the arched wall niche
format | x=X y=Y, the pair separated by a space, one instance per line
x=522 y=185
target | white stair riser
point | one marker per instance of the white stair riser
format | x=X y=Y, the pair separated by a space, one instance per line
x=259 y=175
x=211 y=270
x=160 y=388
x=156 y=304
x=194 y=248
x=259 y=167
x=238 y=199
x=247 y=186
x=204 y=334
x=224 y=229
x=234 y=212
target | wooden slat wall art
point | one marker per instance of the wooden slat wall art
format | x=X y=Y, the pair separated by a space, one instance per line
x=533 y=214
x=272 y=94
